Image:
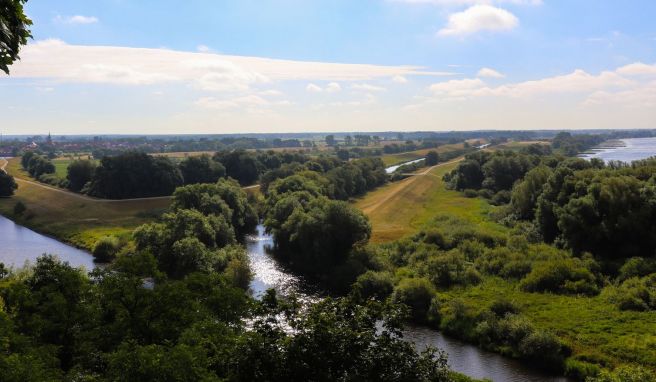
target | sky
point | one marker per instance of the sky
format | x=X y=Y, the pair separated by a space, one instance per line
x=243 y=66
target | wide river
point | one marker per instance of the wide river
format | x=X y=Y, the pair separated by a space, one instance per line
x=633 y=149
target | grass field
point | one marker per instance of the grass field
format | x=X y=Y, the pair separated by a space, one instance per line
x=72 y=218
x=592 y=327
x=402 y=208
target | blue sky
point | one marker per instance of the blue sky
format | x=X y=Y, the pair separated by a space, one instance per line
x=121 y=66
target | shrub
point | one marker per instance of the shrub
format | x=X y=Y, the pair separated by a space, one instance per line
x=417 y=294
x=7 y=184
x=19 y=208
x=105 y=249
x=636 y=267
x=625 y=374
x=544 y=349
x=637 y=294
x=447 y=269
x=580 y=370
x=566 y=276
x=469 y=193
x=378 y=285
x=502 y=307
x=500 y=198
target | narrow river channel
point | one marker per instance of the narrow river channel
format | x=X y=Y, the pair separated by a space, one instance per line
x=20 y=245
x=463 y=357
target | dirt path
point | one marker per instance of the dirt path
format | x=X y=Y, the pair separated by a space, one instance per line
x=402 y=185
x=4 y=164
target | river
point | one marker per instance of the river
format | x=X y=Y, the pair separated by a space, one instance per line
x=463 y=357
x=391 y=169
x=20 y=245
x=633 y=149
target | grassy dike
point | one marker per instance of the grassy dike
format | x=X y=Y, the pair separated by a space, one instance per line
x=73 y=218
x=595 y=330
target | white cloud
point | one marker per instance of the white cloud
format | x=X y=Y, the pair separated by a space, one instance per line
x=54 y=59
x=638 y=69
x=249 y=103
x=400 y=79
x=272 y=93
x=368 y=88
x=333 y=87
x=313 y=88
x=203 y=48
x=76 y=20
x=479 y=18
x=577 y=82
x=491 y=73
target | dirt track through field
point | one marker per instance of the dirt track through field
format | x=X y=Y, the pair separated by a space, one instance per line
x=402 y=185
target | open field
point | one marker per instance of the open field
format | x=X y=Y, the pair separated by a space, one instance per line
x=74 y=218
x=402 y=208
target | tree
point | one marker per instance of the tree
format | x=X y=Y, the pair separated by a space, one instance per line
x=201 y=169
x=432 y=158
x=240 y=165
x=134 y=175
x=222 y=198
x=525 y=193
x=7 y=184
x=14 y=31
x=330 y=140
x=79 y=173
x=348 y=140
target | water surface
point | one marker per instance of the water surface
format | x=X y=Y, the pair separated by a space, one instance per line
x=20 y=245
x=391 y=169
x=633 y=149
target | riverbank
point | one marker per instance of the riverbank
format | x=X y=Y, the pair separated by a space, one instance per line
x=73 y=219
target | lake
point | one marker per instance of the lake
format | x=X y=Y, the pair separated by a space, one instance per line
x=19 y=245
x=633 y=149
x=463 y=357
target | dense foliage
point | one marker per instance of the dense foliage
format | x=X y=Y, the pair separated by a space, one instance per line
x=37 y=164
x=201 y=169
x=14 y=31
x=134 y=175
x=7 y=184
x=79 y=173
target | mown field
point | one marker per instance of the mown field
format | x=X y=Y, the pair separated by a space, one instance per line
x=73 y=218
x=402 y=208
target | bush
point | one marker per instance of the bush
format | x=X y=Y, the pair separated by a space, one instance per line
x=636 y=267
x=7 y=184
x=19 y=208
x=105 y=249
x=448 y=269
x=377 y=285
x=580 y=370
x=500 y=198
x=625 y=374
x=469 y=193
x=502 y=307
x=417 y=294
x=638 y=294
x=566 y=276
